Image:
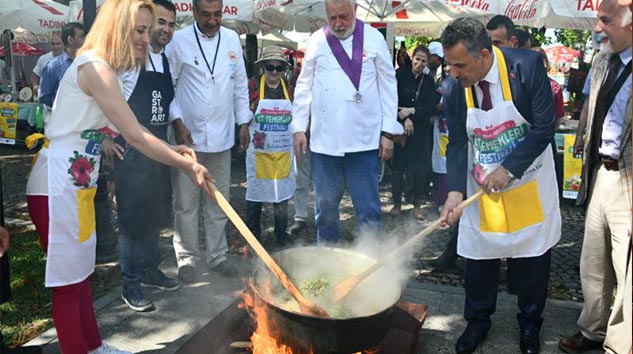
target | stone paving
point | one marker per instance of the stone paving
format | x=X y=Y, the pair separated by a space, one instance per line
x=564 y=283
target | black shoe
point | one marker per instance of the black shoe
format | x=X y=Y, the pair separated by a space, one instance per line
x=135 y=299
x=186 y=274
x=530 y=343
x=445 y=262
x=469 y=341
x=157 y=279
x=297 y=227
x=225 y=269
x=22 y=350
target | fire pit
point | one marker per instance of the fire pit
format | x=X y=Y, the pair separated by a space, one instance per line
x=234 y=325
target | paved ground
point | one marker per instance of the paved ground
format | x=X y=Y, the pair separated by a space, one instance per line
x=147 y=333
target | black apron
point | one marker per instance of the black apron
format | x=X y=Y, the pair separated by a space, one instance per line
x=143 y=186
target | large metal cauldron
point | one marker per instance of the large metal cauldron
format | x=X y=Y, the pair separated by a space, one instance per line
x=369 y=308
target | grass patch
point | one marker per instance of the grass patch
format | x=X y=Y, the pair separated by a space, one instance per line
x=29 y=312
x=560 y=292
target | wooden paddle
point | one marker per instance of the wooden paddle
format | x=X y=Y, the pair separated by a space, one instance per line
x=305 y=305
x=344 y=288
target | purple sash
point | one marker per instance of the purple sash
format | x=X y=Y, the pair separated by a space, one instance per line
x=353 y=67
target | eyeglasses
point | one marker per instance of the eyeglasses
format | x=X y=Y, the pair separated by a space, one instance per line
x=277 y=68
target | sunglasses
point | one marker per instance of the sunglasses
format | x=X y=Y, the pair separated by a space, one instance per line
x=277 y=68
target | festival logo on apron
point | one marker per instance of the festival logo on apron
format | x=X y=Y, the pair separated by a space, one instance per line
x=520 y=220
x=269 y=158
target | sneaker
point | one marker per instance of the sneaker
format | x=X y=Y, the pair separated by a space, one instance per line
x=135 y=299
x=107 y=349
x=297 y=227
x=157 y=279
x=186 y=274
x=225 y=269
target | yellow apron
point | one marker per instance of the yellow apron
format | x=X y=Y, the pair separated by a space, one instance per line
x=269 y=157
x=523 y=220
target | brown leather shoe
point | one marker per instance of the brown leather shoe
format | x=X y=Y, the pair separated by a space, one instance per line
x=578 y=344
x=418 y=214
x=395 y=211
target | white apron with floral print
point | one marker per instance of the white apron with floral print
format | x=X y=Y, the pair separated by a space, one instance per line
x=269 y=157
x=523 y=220
x=67 y=168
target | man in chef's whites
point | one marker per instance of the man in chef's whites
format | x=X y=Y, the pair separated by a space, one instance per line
x=501 y=117
x=606 y=188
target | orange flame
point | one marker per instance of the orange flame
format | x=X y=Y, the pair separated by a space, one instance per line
x=264 y=338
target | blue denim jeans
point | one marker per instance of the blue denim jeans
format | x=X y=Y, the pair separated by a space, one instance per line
x=331 y=175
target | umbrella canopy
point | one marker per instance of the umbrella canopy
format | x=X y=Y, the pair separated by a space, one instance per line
x=579 y=14
x=36 y=16
x=22 y=49
x=561 y=54
x=237 y=14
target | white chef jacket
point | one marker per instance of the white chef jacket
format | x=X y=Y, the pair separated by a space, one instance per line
x=324 y=92
x=209 y=110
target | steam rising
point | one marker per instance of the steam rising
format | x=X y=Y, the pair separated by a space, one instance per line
x=376 y=293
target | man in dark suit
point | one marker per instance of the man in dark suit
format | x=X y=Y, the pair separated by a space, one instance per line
x=501 y=118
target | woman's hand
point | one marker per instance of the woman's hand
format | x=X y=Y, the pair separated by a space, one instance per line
x=405 y=112
x=201 y=177
x=185 y=150
x=408 y=126
x=111 y=149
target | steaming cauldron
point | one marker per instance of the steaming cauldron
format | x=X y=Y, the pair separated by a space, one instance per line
x=370 y=307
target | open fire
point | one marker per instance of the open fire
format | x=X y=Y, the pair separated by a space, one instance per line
x=265 y=338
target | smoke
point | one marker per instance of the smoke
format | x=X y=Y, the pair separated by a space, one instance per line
x=379 y=291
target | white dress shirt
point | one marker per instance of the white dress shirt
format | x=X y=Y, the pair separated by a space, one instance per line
x=339 y=124
x=494 y=81
x=612 y=128
x=209 y=108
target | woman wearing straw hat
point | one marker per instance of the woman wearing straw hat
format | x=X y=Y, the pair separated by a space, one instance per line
x=269 y=158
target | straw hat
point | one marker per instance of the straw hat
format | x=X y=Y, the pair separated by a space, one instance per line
x=272 y=52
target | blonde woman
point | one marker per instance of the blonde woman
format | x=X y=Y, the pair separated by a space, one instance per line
x=62 y=185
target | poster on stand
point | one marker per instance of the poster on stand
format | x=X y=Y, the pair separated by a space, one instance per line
x=572 y=168
x=8 y=122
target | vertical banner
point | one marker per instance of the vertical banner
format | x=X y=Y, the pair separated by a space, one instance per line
x=8 y=122
x=572 y=168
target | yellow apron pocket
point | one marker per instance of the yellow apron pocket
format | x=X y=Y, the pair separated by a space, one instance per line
x=86 y=212
x=272 y=165
x=511 y=211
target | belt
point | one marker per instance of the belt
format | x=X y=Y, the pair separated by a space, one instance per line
x=610 y=164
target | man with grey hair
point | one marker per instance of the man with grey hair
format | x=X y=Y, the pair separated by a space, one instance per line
x=207 y=67
x=499 y=107
x=348 y=88
x=606 y=186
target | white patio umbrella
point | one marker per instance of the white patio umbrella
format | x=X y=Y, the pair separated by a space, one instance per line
x=576 y=14
x=32 y=20
x=237 y=14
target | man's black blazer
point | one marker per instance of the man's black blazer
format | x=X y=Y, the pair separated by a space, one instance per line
x=532 y=96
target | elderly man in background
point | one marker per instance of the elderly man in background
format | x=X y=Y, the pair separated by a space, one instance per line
x=207 y=67
x=348 y=88
x=498 y=103
x=606 y=186
x=56 y=49
x=501 y=31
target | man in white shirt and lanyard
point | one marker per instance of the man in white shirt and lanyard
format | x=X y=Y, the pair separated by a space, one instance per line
x=352 y=100
x=499 y=107
x=57 y=48
x=606 y=187
x=211 y=86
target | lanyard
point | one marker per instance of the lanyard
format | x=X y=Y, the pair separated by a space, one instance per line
x=215 y=56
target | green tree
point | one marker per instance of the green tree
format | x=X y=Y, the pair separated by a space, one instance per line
x=572 y=38
x=413 y=42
